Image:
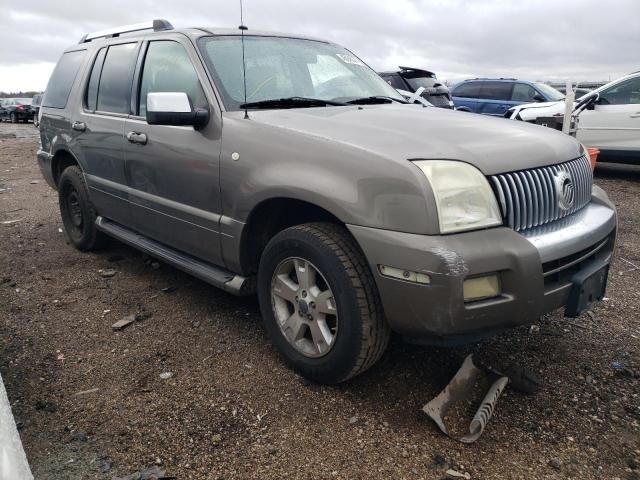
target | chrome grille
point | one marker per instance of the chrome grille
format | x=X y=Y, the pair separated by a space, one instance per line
x=529 y=198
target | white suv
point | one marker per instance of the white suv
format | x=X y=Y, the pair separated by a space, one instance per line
x=612 y=123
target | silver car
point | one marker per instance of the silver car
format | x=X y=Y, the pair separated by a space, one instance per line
x=301 y=175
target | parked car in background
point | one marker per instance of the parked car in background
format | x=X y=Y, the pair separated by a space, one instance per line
x=579 y=92
x=611 y=123
x=495 y=96
x=16 y=110
x=35 y=105
x=408 y=79
x=350 y=212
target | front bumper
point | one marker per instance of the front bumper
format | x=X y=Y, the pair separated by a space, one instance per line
x=535 y=270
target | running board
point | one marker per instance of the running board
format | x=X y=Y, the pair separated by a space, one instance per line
x=216 y=276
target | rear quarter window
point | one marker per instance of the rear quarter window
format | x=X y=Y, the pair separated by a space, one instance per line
x=62 y=79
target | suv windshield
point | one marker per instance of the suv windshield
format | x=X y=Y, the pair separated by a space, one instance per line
x=551 y=93
x=284 y=68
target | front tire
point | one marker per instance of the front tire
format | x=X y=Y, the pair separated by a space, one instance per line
x=320 y=303
x=78 y=212
x=14 y=118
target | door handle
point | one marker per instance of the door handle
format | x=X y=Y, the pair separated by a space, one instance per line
x=635 y=115
x=79 y=126
x=137 y=137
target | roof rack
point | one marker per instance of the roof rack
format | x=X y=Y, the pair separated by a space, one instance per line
x=155 y=25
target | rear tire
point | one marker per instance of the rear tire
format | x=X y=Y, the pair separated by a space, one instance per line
x=78 y=212
x=313 y=278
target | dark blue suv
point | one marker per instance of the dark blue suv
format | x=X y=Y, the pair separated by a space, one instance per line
x=496 y=96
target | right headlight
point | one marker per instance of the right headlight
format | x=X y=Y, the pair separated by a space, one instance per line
x=464 y=198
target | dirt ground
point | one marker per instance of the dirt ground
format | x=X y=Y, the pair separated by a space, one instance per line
x=91 y=404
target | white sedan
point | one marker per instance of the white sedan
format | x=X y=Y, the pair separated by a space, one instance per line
x=611 y=124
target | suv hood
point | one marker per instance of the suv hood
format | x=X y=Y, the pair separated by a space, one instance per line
x=402 y=132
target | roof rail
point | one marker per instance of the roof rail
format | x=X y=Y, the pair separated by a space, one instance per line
x=155 y=25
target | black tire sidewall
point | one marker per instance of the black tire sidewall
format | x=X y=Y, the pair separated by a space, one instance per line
x=339 y=362
x=72 y=180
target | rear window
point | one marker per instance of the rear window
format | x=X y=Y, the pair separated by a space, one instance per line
x=496 y=90
x=467 y=89
x=114 y=92
x=62 y=79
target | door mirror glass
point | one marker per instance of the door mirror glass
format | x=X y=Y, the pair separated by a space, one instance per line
x=174 y=108
x=539 y=98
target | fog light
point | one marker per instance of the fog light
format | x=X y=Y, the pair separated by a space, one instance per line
x=407 y=275
x=480 y=288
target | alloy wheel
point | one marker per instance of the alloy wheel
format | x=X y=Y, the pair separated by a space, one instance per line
x=304 y=307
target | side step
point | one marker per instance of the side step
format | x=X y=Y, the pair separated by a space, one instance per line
x=216 y=276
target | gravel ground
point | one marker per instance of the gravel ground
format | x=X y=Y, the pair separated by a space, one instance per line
x=91 y=403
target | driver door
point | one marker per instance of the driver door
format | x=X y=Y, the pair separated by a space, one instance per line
x=613 y=125
x=173 y=171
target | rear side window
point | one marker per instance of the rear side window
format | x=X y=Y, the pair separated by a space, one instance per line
x=467 y=89
x=114 y=90
x=168 y=68
x=94 y=79
x=496 y=90
x=62 y=79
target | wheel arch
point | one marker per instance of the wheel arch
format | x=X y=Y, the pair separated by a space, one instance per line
x=270 y=217
x=62 y=159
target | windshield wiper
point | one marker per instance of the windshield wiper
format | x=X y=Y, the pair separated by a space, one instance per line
x=292 y=102
x=375 y=99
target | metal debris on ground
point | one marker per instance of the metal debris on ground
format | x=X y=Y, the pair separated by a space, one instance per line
x=166 y=375
x=462 y=388
x=451 y=473
x=107 y=273
x=128 y=320
x=85 y=392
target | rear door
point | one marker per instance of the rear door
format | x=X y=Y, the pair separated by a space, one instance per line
x=100 y=127
x=495 y=97
x=465 y=95
x=173 y=171
x=614 y=124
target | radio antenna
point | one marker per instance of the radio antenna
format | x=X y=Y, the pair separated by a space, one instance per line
x=242 y=28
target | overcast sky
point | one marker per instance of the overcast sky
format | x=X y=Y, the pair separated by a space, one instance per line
x=531 y=39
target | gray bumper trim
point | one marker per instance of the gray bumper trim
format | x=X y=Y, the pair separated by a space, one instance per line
x=572 y=234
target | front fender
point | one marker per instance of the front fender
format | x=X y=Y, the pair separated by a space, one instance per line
x=358 y=187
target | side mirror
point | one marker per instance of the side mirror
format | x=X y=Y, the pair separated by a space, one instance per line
x=174 y=108
x=539 y=98
x=593 y=101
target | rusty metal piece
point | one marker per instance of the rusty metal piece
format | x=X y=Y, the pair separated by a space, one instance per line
x=459 y=389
